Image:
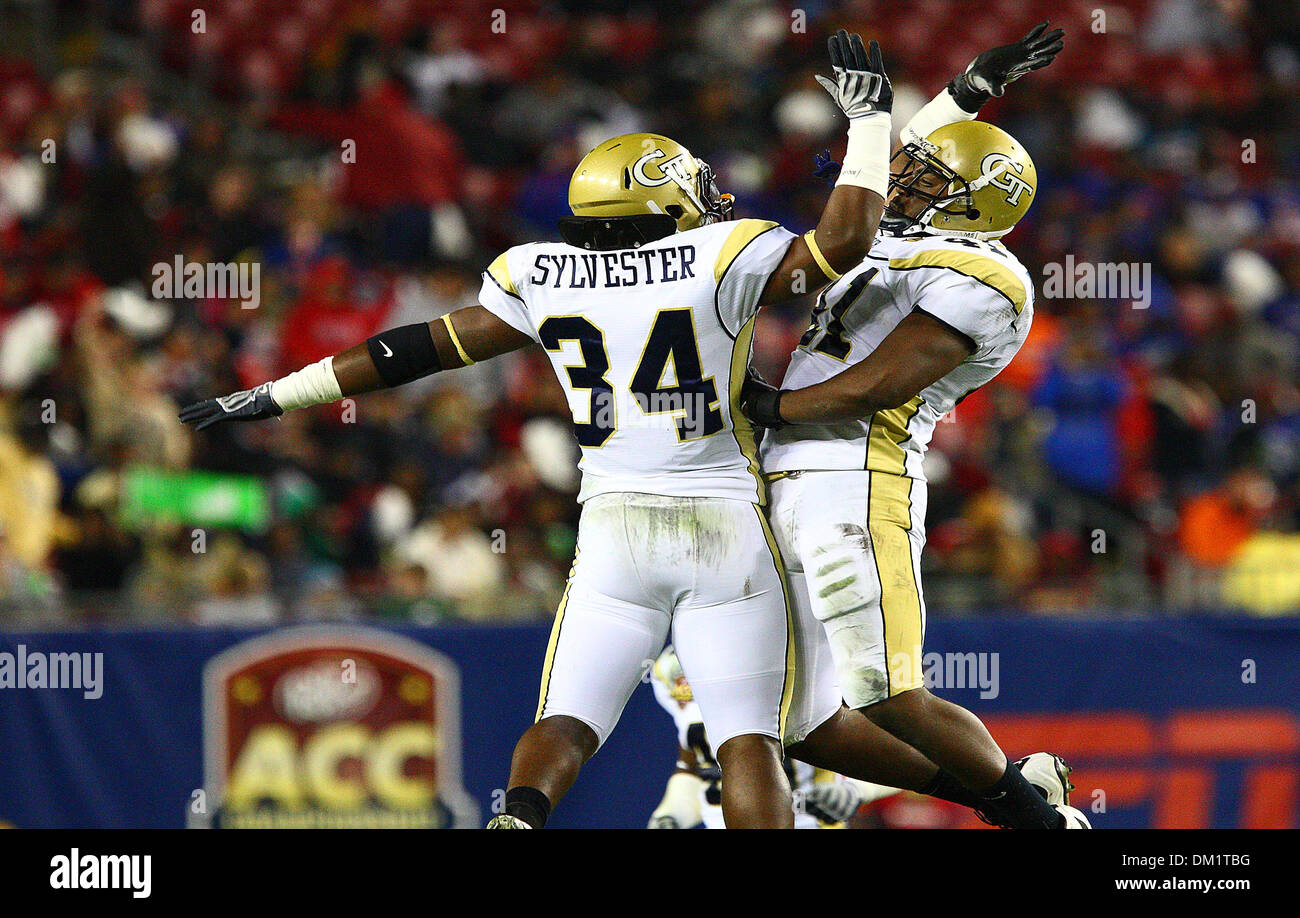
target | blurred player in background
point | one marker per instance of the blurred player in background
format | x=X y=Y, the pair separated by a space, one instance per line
x=937 y=308
x=694 y=792
x=647 y=312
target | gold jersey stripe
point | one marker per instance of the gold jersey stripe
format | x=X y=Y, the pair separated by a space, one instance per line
x=500 y=272
x=886 y=436
x=889 y=522
x=987 y=271
x=741 y=429
x=746 y=231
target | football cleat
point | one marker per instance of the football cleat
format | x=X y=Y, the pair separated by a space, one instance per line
x=506 y=821
x=1049 y=774
x=1073 y=818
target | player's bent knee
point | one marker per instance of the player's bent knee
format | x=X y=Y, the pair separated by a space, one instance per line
x=898 y=712
x=812 y=749
x=749 y=745
x=568 y=731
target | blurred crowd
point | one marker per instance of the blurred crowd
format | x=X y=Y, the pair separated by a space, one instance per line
x=369 y=157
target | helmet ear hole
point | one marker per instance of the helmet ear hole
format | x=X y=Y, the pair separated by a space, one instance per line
x=675 y=211
x=627 y=177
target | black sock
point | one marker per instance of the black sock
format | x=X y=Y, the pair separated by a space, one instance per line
x=945 y=787
x=1015 y=803
x=528 y=804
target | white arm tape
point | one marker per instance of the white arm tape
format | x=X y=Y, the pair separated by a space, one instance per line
x=314 y=384
x=942 y=109
x=682 y=800
x=866 y=161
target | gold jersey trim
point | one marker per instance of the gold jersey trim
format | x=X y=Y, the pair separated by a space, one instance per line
x=988 y=271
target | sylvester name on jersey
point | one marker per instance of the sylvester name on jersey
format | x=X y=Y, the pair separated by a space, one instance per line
x=615 y=269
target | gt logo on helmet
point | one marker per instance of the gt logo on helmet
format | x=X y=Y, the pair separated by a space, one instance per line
x=671 y=169
x=998 y=167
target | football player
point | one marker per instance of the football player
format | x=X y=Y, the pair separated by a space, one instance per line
x=936 y=309
x=646 y=312
x=693 y=793
x=822 y=798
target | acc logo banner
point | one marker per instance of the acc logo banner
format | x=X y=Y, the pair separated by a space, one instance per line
x=333 y=727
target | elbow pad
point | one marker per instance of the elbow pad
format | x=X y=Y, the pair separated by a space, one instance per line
x=404 y=353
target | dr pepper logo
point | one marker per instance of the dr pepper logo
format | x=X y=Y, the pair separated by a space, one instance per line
x=333 y=727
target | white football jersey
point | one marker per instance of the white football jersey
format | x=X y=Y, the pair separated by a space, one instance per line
x=977 y=287
x=651 y=346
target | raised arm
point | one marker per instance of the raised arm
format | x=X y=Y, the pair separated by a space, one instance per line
x=388 y=359
x=848 y=224
x=986 y=77
x=922 y=348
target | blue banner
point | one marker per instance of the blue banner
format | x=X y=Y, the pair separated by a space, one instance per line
x=1169 y=723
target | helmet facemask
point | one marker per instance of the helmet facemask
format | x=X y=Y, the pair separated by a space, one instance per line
x=713 y=205
x=718 y=206
x=953 y=196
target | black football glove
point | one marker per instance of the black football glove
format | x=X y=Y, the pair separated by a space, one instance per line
x=988 y=75
x=860 y=85
x=760 y=401
x=244 y=405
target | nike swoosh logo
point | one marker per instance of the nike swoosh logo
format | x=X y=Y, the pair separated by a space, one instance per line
x=387 y=351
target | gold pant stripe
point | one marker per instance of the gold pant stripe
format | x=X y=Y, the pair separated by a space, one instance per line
x=886 y=435
x=555 y=639
x=787 y=688
x=889 y=521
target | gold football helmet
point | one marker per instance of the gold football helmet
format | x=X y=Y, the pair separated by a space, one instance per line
x=668 y=670
x=636 y=174
x=969 y=177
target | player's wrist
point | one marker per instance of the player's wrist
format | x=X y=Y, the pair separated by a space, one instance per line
x=866 y=159
x=966 y=96
x=314 y=384
x=765 y=408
